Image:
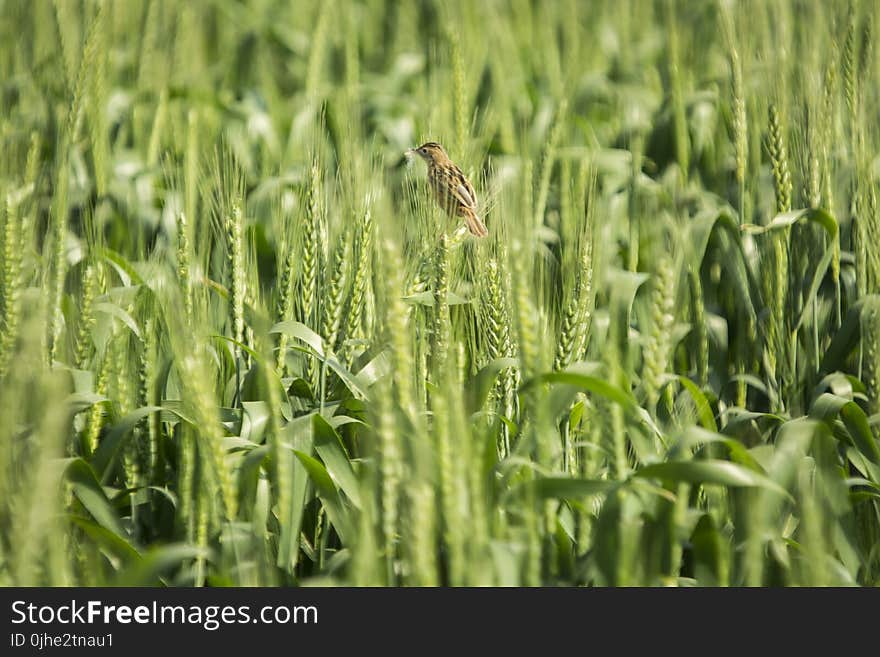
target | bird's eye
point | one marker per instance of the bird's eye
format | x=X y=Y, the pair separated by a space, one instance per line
x=423 y=151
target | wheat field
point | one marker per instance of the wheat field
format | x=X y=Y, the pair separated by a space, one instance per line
x=240 y=345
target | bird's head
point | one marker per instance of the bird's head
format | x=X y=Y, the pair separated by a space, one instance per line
x=430 y=152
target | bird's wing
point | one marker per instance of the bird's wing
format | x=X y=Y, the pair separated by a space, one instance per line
x=464 y=192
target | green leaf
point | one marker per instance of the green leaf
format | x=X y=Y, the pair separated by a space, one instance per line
x=701 y=228
x=857 y=424
x=704 y=409
x=302 y=332
x=722 y=473
x=374 y=370
x=840 y=384
x=329 y=447
x=350 y=380
x=158 y=561
x=568 y=488
x=736 y=418
x=117 y=547
x=828 y=406
x=257 y=414
x=425 y=298
x=738 y=453
x=174 y=410
x=624 y=285
x=123 y=496
x=251 y=463
x=336 y=510
x=108 y=451
x=123 y=267
x=117 y=312
x=241 y=345
x=585 y=381
x=818 y=275
x=788 y=219
x=80 y=401
x=477 y=388
x=341 y=420
x=708 y=551
x=847 y=336
x=297 y=435
x=91 y=495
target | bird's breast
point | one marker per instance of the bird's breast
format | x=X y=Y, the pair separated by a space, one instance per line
x=438 y=180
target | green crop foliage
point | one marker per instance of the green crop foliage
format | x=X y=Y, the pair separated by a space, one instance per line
x=240 y=345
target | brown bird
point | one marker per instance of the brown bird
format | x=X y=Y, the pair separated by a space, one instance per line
x=450 y=187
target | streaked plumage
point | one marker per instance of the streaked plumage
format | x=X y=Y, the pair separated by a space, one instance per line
x=452 y=190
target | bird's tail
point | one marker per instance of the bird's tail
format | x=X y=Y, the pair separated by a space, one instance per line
x=474 y=224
